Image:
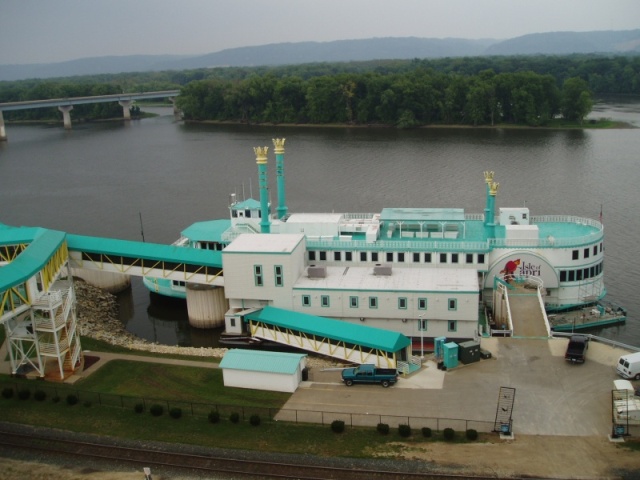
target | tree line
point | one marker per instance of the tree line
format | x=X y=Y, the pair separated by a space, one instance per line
x=527 y=90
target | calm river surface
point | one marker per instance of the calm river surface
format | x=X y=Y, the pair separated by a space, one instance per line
x=99 y=178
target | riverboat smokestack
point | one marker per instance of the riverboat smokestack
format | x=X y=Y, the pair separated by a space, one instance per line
x=278 y=144
x=489 y=211
x=261 y=160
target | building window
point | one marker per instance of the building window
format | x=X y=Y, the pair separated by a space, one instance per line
x=481 y=258
x=279 y=275
x=312 y=255
x=402 y=303
x=324 y=300
x=337 y=256
x=452 y=325
x=575 y=255
x=373 y=302
x=595 y=250
x=348 y=256
x=454 y=258
x=374 y=256
x=232 y=321
x=323 y=256
x=563 y=275
x=443 y=258
x=353 y=302
x=257 y=275
x=453 y=304
x=600 y=247
x=572 y=275
x=363 y=256
x=469 y=258
x=422 y=325
x=422 y=304
x=389 y=256
x=427 y=258
x=306 y=300
x=586 y=253
x=416 y=257
x=400 y=257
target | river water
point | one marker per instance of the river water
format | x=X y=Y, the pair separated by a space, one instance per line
x=99 y=179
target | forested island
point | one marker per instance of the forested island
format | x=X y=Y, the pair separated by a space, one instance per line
x=474 y=91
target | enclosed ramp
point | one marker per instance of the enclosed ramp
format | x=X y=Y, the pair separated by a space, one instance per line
x=334 y=338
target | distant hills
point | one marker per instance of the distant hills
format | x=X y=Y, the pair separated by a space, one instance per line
x=554 y=43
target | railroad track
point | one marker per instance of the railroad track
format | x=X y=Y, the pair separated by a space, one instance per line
x=159 y=460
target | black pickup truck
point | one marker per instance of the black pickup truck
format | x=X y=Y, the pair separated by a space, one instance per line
x=577 y=349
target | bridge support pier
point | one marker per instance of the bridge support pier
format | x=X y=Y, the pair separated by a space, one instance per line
x=206 y=306
x=66 y=115
x=176 y=111
x=3 y=132
x=126 y=105
x=109 y=281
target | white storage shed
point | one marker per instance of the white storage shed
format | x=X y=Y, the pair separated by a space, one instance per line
x=263 y=370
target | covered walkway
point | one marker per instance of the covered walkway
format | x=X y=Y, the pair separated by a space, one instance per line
x=330 y=337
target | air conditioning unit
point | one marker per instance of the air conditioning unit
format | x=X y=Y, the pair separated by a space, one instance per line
x=317 y=271
x=382 y=269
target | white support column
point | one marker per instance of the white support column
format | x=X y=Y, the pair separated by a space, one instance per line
x=3 y=132
x=126 y=105
x=66 y=115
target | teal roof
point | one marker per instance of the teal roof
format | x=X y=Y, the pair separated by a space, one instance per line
x=371 y=337
x=249 y=204
x=262 y=361
x=209 y=231
x=43 y=245
x=145 y=251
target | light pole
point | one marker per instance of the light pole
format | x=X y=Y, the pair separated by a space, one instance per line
x=421 y=337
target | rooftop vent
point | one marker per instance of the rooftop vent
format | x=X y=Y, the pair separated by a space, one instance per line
x=316 y=271
x=382 y=269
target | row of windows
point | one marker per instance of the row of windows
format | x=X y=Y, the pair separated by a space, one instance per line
x=399 y=257
x=578 y=274
x=354 y=302
x=586 y=252
x=278 y=275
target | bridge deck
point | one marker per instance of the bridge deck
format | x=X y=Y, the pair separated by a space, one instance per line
x=527 y=314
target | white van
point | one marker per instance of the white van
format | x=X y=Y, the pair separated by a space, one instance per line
x=629 y=366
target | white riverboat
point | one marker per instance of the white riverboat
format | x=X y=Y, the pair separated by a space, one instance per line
x=434 y=267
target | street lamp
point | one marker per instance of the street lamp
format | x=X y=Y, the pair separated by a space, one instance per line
x=420 y=325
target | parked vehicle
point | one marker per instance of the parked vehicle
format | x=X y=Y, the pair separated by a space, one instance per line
x=577 y=349
x=629 y=366
x=369 y=374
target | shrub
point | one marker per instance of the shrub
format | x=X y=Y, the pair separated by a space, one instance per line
x=404 y=430
x=234 y=417
x=426 y=432
x=254 y=420
x=156 y=410
x=383 y=428
x=24 y=394
x=7 y=392
x=449 y=434
x=72 y=399
x=471 y=434
x=175 y=412
x=138 y=407
x=40 y=395
x=55 y=399
x=337 y=426
x=87 y=403
x=214 y=416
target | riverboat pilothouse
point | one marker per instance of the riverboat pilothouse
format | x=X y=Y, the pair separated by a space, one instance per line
x=422 y=272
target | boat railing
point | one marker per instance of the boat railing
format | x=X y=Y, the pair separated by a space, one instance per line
x=566 y=219
x=598 y=339
x=474 y=216
x=409 y=246
x=367 y=217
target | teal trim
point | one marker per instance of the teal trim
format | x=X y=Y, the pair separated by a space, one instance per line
x=353 y=301
x=373 y=302
x=306 y=300
x=452 y=304
x=350 y=333
x=402 y=303
x=325 y=301
x=423 y=303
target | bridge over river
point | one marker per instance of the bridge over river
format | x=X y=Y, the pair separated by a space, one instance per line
x=65 y=105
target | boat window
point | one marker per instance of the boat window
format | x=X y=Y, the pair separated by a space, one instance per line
x=234 y=214
x=427 y=258
x=353 y=302
x=389 y=256
x=312 y=255
x=579 y=274
x=586 y=253
x=247 y=213
x=563 y=275
x=453 y=304
x=400 y=257
x=348 y=256
x=323 y=255
x=416 y=257
x=469 y=258
x=481 y=258
x=363 y=256
x=595 y=250
x=422 y=303
x=402 y=303
x=337 y=256
x=572 y=275
x=324 y=300
x=373 y=302
x=454 y=258
x=232 y=322
x=374 y=256
x=575 y=255
x=306 y=300
x=443 y=258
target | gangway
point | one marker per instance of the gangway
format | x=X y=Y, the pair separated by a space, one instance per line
x=518 y=303
x=334 y=338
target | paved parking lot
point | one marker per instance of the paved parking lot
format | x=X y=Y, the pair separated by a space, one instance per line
x=552 y=397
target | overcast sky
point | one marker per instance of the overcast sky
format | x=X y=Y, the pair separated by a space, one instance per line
x=43 y=31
